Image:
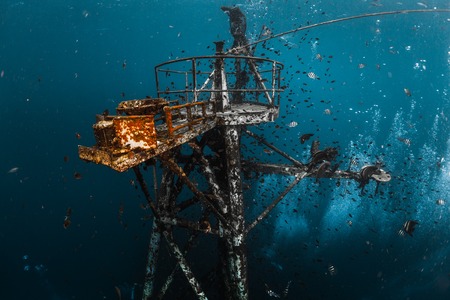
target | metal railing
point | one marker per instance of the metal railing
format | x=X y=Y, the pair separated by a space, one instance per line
x=190 y=116
x=251 y=79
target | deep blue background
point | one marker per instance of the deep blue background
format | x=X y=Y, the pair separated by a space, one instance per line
x=62 y=63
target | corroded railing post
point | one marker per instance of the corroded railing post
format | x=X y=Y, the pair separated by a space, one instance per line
x=168 y=113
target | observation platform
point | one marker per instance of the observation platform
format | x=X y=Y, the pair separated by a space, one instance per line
x=124 y=141
x=145 y=128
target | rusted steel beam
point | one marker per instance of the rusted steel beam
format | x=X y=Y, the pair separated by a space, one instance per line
x=161 y=209
x=155 y=240
x=181 y=260
x=203 y=226
x=282 y=153
x=170 y=163
x=290 y=170
x=298 y=178
x=209 y=174
x=170 y=278
x=169 y=121
x=144 y=189
x=152 y=258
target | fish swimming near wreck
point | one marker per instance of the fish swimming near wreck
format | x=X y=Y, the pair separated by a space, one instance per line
x=13 y=170
x=322 y=169
x=408 y=228
x=319 y=156
x=305 y=137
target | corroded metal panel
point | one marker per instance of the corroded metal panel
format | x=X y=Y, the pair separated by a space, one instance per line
x=141 y=107
x=95 y=155
x=135 y=132
x=247 y=114
x=124 y=158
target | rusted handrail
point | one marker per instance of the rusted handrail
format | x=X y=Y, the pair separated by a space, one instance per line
x=190 y=119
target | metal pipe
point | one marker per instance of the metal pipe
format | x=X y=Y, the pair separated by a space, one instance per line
x=170 y=278
x=298 y=178
x=169 y=163
x=383 y=13
x=282 y=153
x=184 y=266
x=194 y=80
x=210 y=176
x=152 y=258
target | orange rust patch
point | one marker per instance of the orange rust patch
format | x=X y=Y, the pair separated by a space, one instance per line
x=135 y=131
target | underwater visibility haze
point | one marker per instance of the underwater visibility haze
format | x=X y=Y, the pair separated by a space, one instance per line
x=375 y=88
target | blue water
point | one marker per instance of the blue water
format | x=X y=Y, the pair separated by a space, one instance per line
x=62 y=62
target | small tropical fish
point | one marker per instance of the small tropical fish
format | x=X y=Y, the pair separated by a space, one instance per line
x=286 y=289
x=13 y=170
x=440 y=202
x=361 y=66
x=271 y=293
x=407 y=92
x=332 y=270
x=292 y=124
x=323 y=167
x=313 y=75
x=266 y=31
x=422 y=4
x=120 y=214
x=405 y=141
x=118 y=292
x=67 y=220
x=77 y=175
x=327 y=111
x=267 y=151
x=305 y=137
x=408 y=227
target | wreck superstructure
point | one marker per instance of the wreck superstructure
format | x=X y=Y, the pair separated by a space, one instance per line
x=204 y=104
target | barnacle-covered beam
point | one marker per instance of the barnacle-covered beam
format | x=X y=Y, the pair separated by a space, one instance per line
x=235 y=240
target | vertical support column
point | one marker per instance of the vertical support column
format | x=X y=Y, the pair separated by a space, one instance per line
x=152 y=257
x=163 y=208
x=235 y=241
x=220 y=95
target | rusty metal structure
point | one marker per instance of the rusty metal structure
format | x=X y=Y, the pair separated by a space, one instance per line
x=204 y=105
